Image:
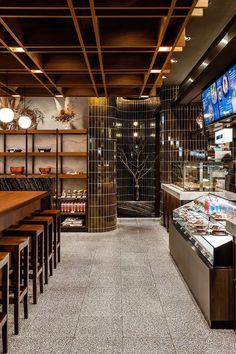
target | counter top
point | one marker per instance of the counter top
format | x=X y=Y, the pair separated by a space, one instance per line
x=191 y=195
x=11 y=200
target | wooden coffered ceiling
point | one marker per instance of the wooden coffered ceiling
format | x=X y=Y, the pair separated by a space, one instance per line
x=90 y=47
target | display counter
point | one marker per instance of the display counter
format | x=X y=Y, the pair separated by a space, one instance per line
x=202 y=248
x=174 y=197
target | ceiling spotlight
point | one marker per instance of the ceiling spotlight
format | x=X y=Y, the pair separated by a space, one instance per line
x=135 y=134
x=36 y=71
x=6 y=115
x=24 y=122
x=155 y=71
x=173 y=61
x=144 y=96
x=224 y=40
x=164 y=77
x=16 y=49
x=190 y=79
x=59 y=96
x=205 y=63
x=135 y=124
x=16 y=96
x=187 y=38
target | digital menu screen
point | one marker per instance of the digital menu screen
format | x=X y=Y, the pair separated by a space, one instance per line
x=226 y=91
x=210 y=104
x=219 y=99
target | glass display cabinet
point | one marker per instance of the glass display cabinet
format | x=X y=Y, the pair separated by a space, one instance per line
x=197 y=176
x=203 y=222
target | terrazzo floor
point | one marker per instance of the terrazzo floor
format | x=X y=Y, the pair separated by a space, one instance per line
x=114 y=293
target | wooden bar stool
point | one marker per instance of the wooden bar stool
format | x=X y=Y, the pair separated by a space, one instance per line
x=56 y=214
x=36 y=234
x=47 y=222
x=18 y=247
x=4 y=268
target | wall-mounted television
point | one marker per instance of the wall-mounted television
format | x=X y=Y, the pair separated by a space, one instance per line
x=219 y=99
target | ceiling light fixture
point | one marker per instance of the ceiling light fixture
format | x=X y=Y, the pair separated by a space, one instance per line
x=135 y=134
x=155 y=71
x=224 y=40
x=164 y=77
x=144 y=96
x=135 y=123
x=36 y=71
x=6 y=115
x=173 y=61
x=205 y=63
x=15 y=96
x=58 y=96
x=190 y=79
x=16 y=49
x=24 y=122
x=187 y=38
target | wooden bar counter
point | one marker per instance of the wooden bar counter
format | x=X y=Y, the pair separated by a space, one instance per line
x=15 y=205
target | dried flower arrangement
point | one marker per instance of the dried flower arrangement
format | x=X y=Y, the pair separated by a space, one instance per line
x=66 y=114
x=20 y=109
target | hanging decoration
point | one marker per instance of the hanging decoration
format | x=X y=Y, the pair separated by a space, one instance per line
x=64 y=114
x=20 y=109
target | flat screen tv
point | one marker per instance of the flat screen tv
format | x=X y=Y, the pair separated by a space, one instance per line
x=219 y=99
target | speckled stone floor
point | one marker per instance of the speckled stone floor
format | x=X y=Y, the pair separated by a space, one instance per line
x=114 y=293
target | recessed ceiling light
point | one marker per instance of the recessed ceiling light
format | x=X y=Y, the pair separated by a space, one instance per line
x=144 y=96
x=16 y=49
x=187 y=38
x=36 y=71
x=205 y=63
x=155 y=71
x=173 y=61
x=164 y=77
x=135 y=134
x=15 y=96
x=190 y=79
x=59 y=96
x=135 y=123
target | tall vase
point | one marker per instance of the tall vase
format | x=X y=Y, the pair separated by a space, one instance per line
x=66 y=125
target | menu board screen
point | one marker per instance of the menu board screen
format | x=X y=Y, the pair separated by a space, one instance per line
x=226 y=91
x=219 y=99
x=210 y=104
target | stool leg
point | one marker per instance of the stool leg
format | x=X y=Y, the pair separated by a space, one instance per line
x=26 y=281
x=59 y=238
x=51 y=248
x=55 y=244
x=34 y=261
x=5 y=306
x=16 y=292
x=41 y=261
x=46 y=253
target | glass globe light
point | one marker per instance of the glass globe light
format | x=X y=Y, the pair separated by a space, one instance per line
x=6 y=115
x=24 y=122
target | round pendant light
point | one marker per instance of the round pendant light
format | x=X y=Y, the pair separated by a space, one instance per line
x=6 y=115
x=24 y=122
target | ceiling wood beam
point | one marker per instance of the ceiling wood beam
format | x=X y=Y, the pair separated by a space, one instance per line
x=162 y=32
x=98 y=43
x=81 y=41
x=156 y=84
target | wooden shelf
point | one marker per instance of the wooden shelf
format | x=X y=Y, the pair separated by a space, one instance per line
x=23 y=154
x=30 y=175
x=74 y=228
x=70 y=176
x=73 y=153
x=48 y=131
x=73 y=214
x=48 y=154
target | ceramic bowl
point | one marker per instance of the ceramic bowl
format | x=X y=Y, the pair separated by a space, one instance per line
x=17 y=170
x=44 y=170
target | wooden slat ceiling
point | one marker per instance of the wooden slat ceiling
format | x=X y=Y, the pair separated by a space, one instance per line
x=90 y=47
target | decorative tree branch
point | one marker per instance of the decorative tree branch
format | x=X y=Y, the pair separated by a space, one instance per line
x=137 y=162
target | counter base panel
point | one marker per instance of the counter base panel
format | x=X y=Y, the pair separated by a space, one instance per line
x=212 y=288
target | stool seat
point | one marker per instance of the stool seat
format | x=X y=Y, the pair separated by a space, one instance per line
x=36 y=234
x=56 y=214
x=19 y=250
x=47 y=222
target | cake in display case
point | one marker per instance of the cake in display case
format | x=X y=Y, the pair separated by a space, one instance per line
x=202 y=222
x=196 y=176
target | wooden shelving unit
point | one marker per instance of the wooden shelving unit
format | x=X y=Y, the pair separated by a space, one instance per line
x=30 y=154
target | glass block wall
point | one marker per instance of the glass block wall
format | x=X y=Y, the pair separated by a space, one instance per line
x=102 y=202
x=180 y=134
